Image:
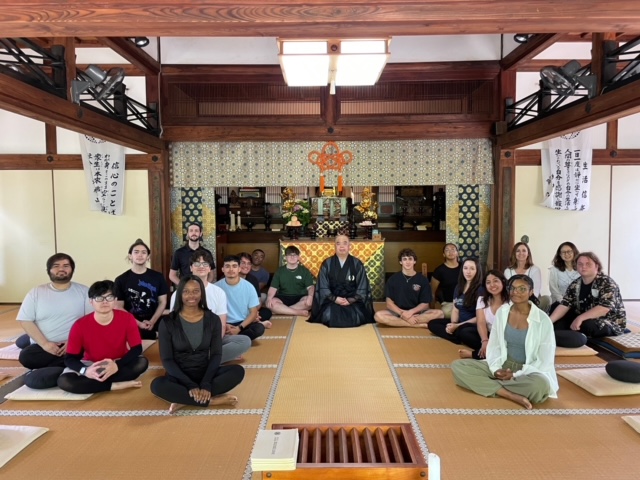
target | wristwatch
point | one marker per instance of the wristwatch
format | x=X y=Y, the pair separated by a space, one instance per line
x=241 y=327
x=83 y=370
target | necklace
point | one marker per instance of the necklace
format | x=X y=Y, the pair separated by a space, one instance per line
x=407 y=278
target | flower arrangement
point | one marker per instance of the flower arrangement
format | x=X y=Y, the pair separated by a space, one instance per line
x=296 y=207
x=367 y=206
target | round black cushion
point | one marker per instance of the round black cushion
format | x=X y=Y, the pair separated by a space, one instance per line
x=624 y=370
x=570 y=339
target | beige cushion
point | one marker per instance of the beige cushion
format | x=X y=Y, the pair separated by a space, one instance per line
x=146 y=344
x=627 y=343
x=582 y=351
x=634 y=421
x=12 y=352
x=26 y=393
x=15 y=438
x=597 y=382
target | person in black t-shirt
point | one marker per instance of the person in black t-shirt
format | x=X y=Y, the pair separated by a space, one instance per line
x=142 y=291
x=181 y=261
x=408 y=296
x=445 y=279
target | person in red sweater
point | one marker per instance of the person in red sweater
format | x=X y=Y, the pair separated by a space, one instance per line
x=104 y=348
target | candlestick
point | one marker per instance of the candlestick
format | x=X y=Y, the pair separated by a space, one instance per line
x=239 y=222
x=232 y=226
x=434 y=466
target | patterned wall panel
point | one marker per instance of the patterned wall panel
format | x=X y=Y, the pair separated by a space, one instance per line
x=189 y=205
x=402 y=162
x=468 y=209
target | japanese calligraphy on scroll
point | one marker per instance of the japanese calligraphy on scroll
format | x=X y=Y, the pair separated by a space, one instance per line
x=566 y=172
x=103 y=164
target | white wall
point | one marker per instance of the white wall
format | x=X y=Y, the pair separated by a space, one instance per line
x=43 y=212
x=548 y=228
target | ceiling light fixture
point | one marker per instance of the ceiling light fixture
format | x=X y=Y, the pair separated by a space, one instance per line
x=140 y=41
x=564 y=80
x=313 y=63
x=522 y=37
x=103 y=83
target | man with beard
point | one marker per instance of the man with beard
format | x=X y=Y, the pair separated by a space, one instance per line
x=181 y=261
x=47 y=314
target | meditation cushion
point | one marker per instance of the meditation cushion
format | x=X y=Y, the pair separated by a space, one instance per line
x=570 y=339
x=26 y=393
x=597 y=382
x=15 y=438
x=582 y=351
x=626 y=345
x=624 y=370
x=633 y=421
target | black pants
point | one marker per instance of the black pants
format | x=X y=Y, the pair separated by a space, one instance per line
x=150 y=334
x=168 y=388
x=45 y=367
x=463 y=334
x=265 y=313
x=565 y=337
x=253 y=331
x=74 y=383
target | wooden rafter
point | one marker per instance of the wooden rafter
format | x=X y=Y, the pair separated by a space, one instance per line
x=134 y=54
x=352 y=18
x=536 y=45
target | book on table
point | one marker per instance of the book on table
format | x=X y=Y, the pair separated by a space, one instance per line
x=275 y=450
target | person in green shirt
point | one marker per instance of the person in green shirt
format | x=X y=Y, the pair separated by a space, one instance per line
x=292 y=287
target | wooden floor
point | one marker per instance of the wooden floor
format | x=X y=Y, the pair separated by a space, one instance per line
x=302 y=372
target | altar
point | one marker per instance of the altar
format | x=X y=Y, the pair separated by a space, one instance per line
x=370 y=252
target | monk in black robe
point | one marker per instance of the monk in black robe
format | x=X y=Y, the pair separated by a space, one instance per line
x=343 y=296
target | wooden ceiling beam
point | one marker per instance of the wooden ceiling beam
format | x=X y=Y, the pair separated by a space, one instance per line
x=129 y=70
x=312 y=18
x=536 y=45
x=133 y=161
x=609 y=106
x=132 y=53
x=23 y=99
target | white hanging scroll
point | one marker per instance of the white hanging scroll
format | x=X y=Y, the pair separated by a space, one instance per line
x=103 y=164
x=566 y=172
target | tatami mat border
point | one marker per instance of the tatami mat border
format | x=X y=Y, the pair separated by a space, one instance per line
x=424 y=337
x=11 y=339
x=248 y=473
x=129 y=413
x=633 y=322
x=422 y=443
x=539 y=412
x=447 y=365
x=273 y=337
x=160 y=367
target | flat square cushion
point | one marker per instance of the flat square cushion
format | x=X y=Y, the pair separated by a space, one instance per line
x=26 y=393
x=582 y=351
x=597 y=382
x=11 y=352
x=15 y=438
x=633 y=421
x=626 y=345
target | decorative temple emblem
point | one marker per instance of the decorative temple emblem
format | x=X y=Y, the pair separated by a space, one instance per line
x=330 y=158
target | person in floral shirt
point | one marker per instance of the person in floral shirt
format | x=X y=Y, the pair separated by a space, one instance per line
x=591 y=306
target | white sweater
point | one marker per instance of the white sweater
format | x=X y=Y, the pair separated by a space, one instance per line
x=559 y=281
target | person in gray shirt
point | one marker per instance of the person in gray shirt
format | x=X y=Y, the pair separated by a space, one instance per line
x=47 y=314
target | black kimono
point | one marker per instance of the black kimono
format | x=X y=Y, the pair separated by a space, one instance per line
x=349 y=281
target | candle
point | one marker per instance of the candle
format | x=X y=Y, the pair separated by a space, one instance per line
x=434 y=466
x=232 y=226
x=239 y=223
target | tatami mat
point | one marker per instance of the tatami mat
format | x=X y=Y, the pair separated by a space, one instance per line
x=533 y=447
x=189 y=447
x=334 y=376
x=421 y=350
x=280 y=327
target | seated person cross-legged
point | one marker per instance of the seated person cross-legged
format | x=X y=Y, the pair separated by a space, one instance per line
x=408 y=295
x=104 y=349
x=191 y=350
x=292 y=287
x=465 y=300
x=343 y=296
x=520 y=354
x=591 y=307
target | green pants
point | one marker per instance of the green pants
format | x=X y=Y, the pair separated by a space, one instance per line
x=476 y=376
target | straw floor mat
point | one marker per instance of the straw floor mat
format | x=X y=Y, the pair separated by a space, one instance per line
x=531 y=447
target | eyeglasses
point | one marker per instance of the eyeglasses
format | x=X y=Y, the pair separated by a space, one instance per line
x=200 y=264
x=566 y=252
x=519 y=289
x=292 y=254
x=105 y=298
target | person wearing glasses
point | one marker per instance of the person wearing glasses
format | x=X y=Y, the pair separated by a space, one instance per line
x=104 y=349
x=47 y=314
x=292 y=287
x=520 y=353
x=563 y=272
x=233 y=346
x=445 y=279
x=591 y=307
x=191 y=350
x=141 y=291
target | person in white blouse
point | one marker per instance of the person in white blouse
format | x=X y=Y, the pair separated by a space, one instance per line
x=520 y=353
x=495 y=296
x=521 y=263
x=563 y=271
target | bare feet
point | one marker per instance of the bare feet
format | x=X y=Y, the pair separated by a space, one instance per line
x=125 y=385
x=301 y=313
x=174 y=407
x=225 y=399
x=267 y=324
x=464 y=353
x=514 y=397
